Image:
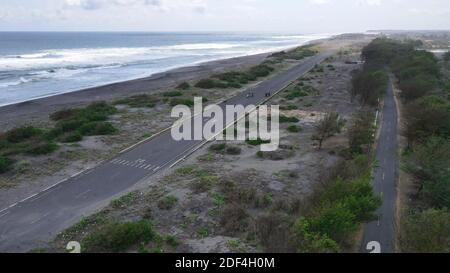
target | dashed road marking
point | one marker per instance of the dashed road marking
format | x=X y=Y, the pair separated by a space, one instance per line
x=4 y=214
x=138 y=164
x=82 y=194
x=40 y=218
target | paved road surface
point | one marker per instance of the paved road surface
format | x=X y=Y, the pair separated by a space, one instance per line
x=35 y=221
x=383 y=230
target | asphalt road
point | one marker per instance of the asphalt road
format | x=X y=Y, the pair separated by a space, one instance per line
x=381 y=233
x=36 y=220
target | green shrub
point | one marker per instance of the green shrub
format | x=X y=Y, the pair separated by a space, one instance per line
x=139 y=101
x=97 y=129
x=42 y=148
x=23 y=133
x=204 y=183
x=208 y=84
x=184 y=86
x=167 y=202
x=219 y=147
x=178 y=101
x=125 y=200
x=64 y=114
x=257 y=142
x=119 y=237
x=5 y=164
x=72 y=137
x=426 y=232
x=232 y=150
x=173 y=94
x=294 y=129
x=284 y=119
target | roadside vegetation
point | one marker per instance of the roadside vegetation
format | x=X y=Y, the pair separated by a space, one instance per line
x=235 y=79
x=425 y=221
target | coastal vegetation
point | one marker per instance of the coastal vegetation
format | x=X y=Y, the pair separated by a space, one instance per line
x=70 y=125
x=298 y=53
x=235 y=79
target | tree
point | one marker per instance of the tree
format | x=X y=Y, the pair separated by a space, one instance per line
x=361 y=132
x=427 y=116
x=429 y=163
x=426 y=232
x=330 y=125
x=369 y=85
x=447 y=56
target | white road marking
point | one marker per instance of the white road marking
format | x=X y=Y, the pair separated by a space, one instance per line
x=37 y=220
x=4 y=214
x=43 y=194
x=384 y=176
x=82 y=194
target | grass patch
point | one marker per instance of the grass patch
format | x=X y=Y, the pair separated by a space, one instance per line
x=125 y=200
x=119 y=237
x=180 y=101
x=173 y=94
x=235 y=79
x=294 y=129
x=257 y=142
x=5 y=164
x=139 y=101
x=168 y=202
x=284 y=119
x=295 y=54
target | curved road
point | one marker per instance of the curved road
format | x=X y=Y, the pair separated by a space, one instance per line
x=379 y=236
x=36 y=220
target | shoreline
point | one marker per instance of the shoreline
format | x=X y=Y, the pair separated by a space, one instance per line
x=31 y=110
x=37 y=110
x=174 y=69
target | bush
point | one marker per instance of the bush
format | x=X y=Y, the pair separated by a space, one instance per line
x=340 y=208
x=219 y=147
x=72 y=137
x=284 y=119
x=234 y=219
x=429 y=163
x=294 y=129
x=167 y=202
x=232 y=150
x=97 y=129
x=23 y=133
x=185 y=102
x=63 y=114
x=5 y=164
x=235 y=79
x=426 y=232
x=118 y=237
x=139 y=101
x=173 y=94
x=184 y=86
x=42 y=148
x=204 y=183
x=207 y=84
x=257 y=142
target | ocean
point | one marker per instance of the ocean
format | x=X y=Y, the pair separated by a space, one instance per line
x=40 y=64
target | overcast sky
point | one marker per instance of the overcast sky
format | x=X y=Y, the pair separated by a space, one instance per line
x=296 y=16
